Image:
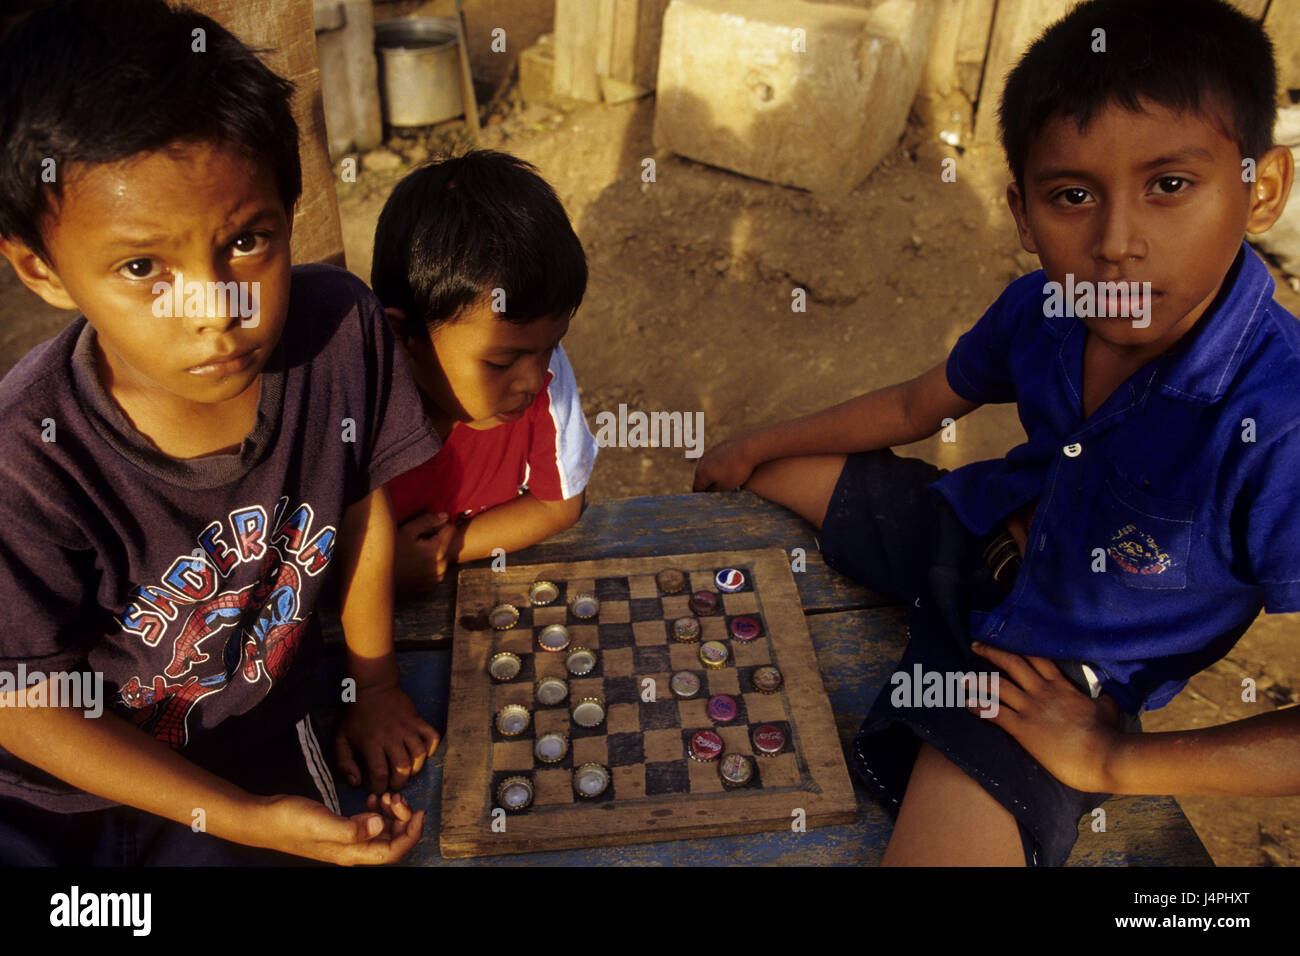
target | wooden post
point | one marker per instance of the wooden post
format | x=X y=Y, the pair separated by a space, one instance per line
x=576 y=45
x=285 y=29
x=1018 y=23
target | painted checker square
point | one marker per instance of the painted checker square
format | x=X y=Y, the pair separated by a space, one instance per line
x=656 y=791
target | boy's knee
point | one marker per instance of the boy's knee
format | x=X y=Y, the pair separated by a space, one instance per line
x=804 y=485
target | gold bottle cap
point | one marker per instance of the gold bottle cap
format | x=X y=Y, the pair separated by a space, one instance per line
x=767 y=679
x=590 y=780
x=685 y=685
x=714 y=654
x=580 y=661
x=551 y=747
x=504 y=616
x=505 y=666
x=584 y=605
x=515 y=793
x=589 y=712
x=551 y=691
x=542 y=593
x=736 y=770
x=671 y=581
x=512 y=720
x=686 y=629
x=553 y=637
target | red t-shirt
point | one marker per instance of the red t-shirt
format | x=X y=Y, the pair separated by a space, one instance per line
x=549 y=453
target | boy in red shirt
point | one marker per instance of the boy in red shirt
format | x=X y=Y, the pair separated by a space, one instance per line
x=480 y=272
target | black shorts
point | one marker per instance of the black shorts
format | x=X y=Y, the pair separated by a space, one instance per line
x=287 y=760
x=886 y=529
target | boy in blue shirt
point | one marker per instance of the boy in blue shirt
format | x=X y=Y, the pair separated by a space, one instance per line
x=187 y=467
x=1152 y=511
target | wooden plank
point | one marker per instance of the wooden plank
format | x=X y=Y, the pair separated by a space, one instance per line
x=973 y=45
x=640 y=527
x=941 y=61
x=575 y=49
x=469 y=102
x=856 y=651
x=284 y=29
x=1283 y=25
x=1018 y=23
x=690 y=800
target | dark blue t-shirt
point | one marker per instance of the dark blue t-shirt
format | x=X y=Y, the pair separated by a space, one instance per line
x=189 y=587
x=1168 y=518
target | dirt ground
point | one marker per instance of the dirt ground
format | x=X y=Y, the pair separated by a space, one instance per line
x=689 y=309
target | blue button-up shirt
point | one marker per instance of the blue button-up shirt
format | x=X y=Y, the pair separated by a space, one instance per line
x=1169 y=517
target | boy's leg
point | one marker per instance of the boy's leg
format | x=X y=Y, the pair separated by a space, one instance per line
x=804 y=485
x=948 y=819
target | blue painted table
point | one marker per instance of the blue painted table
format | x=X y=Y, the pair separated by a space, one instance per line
x=858 y=637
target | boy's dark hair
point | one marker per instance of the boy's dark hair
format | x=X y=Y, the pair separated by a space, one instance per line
x=1202 y=56
x=97 y=81
x=454 y=230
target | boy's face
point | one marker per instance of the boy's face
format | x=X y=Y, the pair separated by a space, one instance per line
x=1153 y=196
x=192 y=213
x=480 y=369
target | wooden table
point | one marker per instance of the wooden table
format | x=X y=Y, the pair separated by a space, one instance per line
x=858 y=637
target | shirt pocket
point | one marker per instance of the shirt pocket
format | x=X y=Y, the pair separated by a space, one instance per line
x=1146 y=539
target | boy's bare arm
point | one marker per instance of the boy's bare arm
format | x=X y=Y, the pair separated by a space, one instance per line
x=511 y=526
x=382 y=724
x=895 y=415
x=110 y=758
x=1078 y=740
x=1257 y=756
x=427 y=544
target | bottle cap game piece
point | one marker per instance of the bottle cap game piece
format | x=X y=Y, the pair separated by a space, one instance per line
x=584 y=605
x=515 y=793
x=686 y=629
x=685 y=685
x=589 y=712
x=504 y=617
x=767 y=679
x=590 y=780
x=703 y=602
x=736 y=770
x=671 y=581
x=551 y=747
x=551 y=691
x=580 y=661
x=729 y=580
x=512 y=720
x=722 y=708
x=505 y=666
x=554 y=637
x=542 y=593
x=714 y=654
x=705 y=745
x=744 y=628
x=769 y=740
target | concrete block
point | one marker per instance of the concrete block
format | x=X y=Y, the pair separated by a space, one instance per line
x=537 y=70
x=802 y=94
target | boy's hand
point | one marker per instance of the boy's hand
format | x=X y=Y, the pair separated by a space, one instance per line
x=392 y=738
x=305 y=828
x=724 y=467
x=420 y=551
x=1069 y=733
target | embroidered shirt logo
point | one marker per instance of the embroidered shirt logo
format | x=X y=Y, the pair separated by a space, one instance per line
x=1136 y=552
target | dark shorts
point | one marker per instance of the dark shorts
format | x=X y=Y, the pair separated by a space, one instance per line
x=886 y=529
x=289 y=761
